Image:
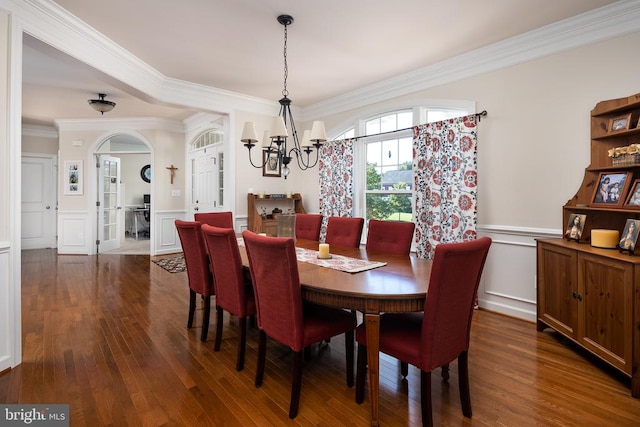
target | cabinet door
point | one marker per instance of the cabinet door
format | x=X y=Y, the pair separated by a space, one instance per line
x=557 y=288
x=606 y=309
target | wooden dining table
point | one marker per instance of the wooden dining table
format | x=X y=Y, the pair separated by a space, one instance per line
x=398 y=286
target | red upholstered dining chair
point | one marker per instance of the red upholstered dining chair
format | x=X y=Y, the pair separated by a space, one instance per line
x=217 y=219
x=344 y=231
x=283 y=316
x=233 y=289
x=308 y=226
x=198 y=270
x=394 y=237
x=437 y=336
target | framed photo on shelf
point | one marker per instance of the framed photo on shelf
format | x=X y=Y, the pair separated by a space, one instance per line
x=616 y=124
x=271 y=163
x=633 y=198
x=629 y=235
x=72 y=177
x=611 y=189
x=575 y=227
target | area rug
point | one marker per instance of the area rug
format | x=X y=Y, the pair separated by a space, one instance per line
x=172 y=265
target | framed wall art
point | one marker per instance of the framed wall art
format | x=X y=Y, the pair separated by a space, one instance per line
x=72 y=177
x=611 y=189
x=271 y=163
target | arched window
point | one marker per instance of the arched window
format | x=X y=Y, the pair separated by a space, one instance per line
x=383 y=175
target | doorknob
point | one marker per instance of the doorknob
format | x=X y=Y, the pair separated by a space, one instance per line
x=48 y=207
x=195 y=209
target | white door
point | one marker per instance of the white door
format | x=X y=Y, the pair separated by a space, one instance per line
x=109 y=203
x=207 y=190
x=39 y=202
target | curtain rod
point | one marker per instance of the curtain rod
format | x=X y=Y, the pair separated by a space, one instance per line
x=479 y=115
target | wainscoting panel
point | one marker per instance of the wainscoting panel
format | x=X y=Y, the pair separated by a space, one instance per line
x=74 y=234
x=166 y=237
x=8 y=316
x=509 y=279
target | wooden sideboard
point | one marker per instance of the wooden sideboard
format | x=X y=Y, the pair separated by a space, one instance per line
x=592 y=295
x=260 y=208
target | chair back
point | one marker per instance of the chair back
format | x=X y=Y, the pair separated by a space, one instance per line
x=228 y=274
x=217 y=219
x=195 y=257
x=276 y=286
x=343 y=231
x=308 y=226
x=455 y=276
x=394 y=237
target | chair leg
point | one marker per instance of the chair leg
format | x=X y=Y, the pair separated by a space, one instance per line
x=445 y=372
x=348 y=344
x=361 y=372
x=192 y=308
x=219 y=320
x=404 y=369
x=243 y=343
x=425 y=393
x=262 y=352
x=205 y=319
x=296 y=384
x=463 y=384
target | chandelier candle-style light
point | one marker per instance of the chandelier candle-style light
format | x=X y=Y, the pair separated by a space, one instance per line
x=275 y=140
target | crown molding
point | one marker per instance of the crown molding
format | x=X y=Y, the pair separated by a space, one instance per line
x=39 y=131
x=115 y=125
x=614 y=20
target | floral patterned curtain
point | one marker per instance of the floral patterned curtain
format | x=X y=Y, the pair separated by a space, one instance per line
x=336 y=181
x=445 y=182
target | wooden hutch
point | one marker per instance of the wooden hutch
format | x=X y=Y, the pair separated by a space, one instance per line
x=592 y=295
x=260 y=210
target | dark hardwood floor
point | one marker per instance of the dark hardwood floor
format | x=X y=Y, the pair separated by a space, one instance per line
x=107 y=335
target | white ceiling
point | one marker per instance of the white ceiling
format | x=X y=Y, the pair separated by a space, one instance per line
x=334 y=46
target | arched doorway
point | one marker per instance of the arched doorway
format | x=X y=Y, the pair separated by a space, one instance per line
x=123 y=193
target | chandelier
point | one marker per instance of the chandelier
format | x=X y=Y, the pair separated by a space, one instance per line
x=281 y=141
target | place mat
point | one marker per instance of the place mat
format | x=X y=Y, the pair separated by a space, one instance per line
x=336 y=262
x=172 y=265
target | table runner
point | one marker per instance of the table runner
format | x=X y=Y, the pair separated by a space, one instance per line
x=336 y=262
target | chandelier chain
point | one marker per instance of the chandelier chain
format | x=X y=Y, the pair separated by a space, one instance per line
x=285 y=92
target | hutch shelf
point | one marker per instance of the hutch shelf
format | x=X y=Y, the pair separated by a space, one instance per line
x=592 y=295
x=260 y=210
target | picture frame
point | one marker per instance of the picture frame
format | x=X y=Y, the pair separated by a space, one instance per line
x=73 y=178
x=575 y=226
x=633 y=197
x=629 y=235
x=271 y=165
x=611 y=188
x=620 y=123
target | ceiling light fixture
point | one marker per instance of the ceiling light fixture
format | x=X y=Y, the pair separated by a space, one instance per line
x=101 y=105
x=275 y=140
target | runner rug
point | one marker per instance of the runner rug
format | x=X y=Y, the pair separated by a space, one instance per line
x=172 y=265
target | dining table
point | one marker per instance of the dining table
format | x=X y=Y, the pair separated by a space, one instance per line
x=387 y=283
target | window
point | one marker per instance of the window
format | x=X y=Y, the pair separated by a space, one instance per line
x=383 y=171
x=389 y=159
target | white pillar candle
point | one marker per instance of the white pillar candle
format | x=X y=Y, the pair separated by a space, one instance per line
x=323 y=250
